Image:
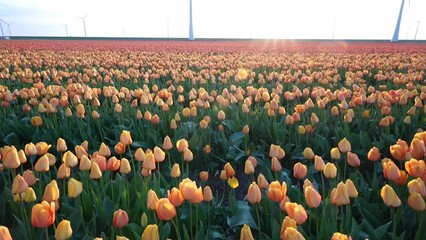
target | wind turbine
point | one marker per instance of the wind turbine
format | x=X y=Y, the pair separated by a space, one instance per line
x=417 y=29
x=398 y=22
x=66 y=28
x=168 y=32
x=191 y=32
x=8 y=27
x=84 y=24
x=334 y=29
x=1 y=27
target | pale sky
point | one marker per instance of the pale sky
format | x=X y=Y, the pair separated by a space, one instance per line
x=287 y=19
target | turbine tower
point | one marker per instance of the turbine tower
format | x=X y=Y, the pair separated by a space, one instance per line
x=398 y=23
x=84 y=24
x=417 y=29
x=191 y=33
x=1 y=27
x=66 y=29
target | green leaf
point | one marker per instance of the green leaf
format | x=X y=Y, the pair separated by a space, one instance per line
x=242 y=216
x=75 y=219
x=165 y=231
x=380 y=232
x=236 y=139
x=11 y=139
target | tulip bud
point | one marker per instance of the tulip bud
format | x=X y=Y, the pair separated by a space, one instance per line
x=167 y=144
x=74 y=188
x=344 y=145
x=416 y=202
x=95 y=171
x=42 y=164
x=11 y=158
x=246 y=233
x=19 y=185
x=120 y=219
x=373 y=154
x=22 y=157
x=140 y=155
x=175 y=197
x=308 y=153
x=287 y=223
x=276 y=151
x=30 y=196
x=144 y=220
x=262 y=182
x=330 y=170
x=296 y=212
x=414 y=167
x=29 y=177
x=207 y=194
x=125 y=138
x=43 y=214
x=340 y=236
x=30 y=149
x=339 y=196
x=229 y=170
x=352 y=192
x=275 y=165
x=165 y=210
x=204 y=176
x=104 y=150
x=276 y=191
x=335 y=153
x=248 y=167
x=152 y=200
x=125 y=166
x=175 y=172
x=319 y=163
x=182 y=145
x=51 y=192
x=254 y=195
x=299 y=170
x=151 y=233
x=70 y=159
x=353 y=159
x=63 y=172
x=61 y=145
x=63 y=230
x=389 y=196
x=4 y=233
x=313 y=198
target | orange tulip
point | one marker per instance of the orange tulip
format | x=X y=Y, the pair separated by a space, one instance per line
x=313 y=198
x=149 y=162
x=19 y=185
x=340 y=236
x=165 y=210
x=296 y=212
x=400 y=151
x=167 y=144
x=390 y=170
x=330 y=170
x=42 y=164
x=335 y=153
x=339 y=195
x=246 y=233
x=276 y=165
x=63 y=172
x=64 y=230
x=415 y=167
x=30 y=149
x=51 y=192
x=175 y=172
x=182 y=145
x=187 y=155
x=417 y=185
x=10 y=158
x=389 y=196
x=204 y=176
x=276 y=151
x=61 y=145
x=344 y=145
x=152 y=200
x=373 y=154
x=276 y=191
x=352 y=192
x=104 y=150
x=120 y=219
x=417 y=148
x=42 y=148
x=292 y=234
x=416 y=202
x=43 y=214
x=353 y=159
x=175 y=197
x=159 y=154
x=5 y=234
x=308 y=153
x=113 y=164
x=70 y=159
x=254 y=195
x=230 y=172
x=299 y=170
x=29 y=177
x=120 y=148
x=95 y=171
x=248 y=167
x=319 y=163
x=287 y=223
x=262 y=182
x=151 y=233
x=207 y=194
x=126 y=138
x=188 y=188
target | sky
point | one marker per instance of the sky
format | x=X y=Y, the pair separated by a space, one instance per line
x=270 y=19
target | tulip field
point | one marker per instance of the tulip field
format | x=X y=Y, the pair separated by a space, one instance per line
x=212 y=140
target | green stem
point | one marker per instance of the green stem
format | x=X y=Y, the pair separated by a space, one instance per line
x=392 y=212
x=256 y=207
x=420 y=233
x=131 y=158
x=47 y=233
x=342 y=216
x=177 y=230
x=190 y=220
